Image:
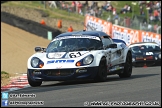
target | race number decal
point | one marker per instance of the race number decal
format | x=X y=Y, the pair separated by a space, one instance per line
x=75 y=54
x=149 y=53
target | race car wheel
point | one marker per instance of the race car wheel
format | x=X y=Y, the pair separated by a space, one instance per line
x=102 y=71
x=33 y=83
x=127 y=67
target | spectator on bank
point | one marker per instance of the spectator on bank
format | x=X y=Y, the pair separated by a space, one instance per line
x=52 y=3
x=92 y=12
x=143 y=14
x=151 y=18
x=79 y=6
x=116 y=19
x=109 y=18
x=157 y=5
x=96 y=12
x=159 y=15
x=63 y=5
x=73 y=6
x=95 y=4
x=156 y=15
x=155 y=27
x=129 y=9
x=69 y=8
x=124 y=9
x=149 y=27
x=116 y=16
x=148 y=4
x=85 y=4
x=87 y=12
x=105 y=6
x=110 y=8
x=114 y=11
x=150 y=11
x=141 y=9
x=92 y=4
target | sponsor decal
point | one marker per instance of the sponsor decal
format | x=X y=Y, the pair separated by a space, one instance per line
x=149 y=53
x=97 y=24
x=81 y=70
x=125 y=34
x=118 y=32
x=56 y=55
x=60 y=61
x=151 y=37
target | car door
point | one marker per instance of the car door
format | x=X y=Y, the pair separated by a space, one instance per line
x=114 y=54
x=120 y=52
x=110 y=51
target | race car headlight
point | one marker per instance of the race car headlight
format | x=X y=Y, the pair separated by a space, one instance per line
x=88 y=60
x=133 y=59
x=159 y=56
x=156 y=58
x=36 y=63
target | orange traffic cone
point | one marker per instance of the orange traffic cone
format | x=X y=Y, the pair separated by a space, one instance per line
x=59 y=24
x=70 y=29
x=43 y=22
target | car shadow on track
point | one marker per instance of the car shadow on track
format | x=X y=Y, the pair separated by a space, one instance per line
x=54 y=85
x=109 y=79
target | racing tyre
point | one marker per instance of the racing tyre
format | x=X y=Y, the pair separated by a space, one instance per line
x=102 y=71
x=127 y=67
x=33 y=83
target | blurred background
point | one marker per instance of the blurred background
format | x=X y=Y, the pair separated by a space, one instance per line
x=139 y=15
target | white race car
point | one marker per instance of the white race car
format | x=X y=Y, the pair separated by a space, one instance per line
x=79 y=55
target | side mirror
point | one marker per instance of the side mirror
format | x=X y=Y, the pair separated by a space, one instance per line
x=37 y=49
x=112 y=46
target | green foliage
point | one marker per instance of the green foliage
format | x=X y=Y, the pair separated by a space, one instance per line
x=4 y=74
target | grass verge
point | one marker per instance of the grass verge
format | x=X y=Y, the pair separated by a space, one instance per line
x=6 y=78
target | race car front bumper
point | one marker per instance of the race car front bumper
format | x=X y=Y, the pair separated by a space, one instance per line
x=63 y=74
x=139 y=63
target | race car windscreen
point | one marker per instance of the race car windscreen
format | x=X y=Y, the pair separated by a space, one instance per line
x=145 y=48
x=69 y=44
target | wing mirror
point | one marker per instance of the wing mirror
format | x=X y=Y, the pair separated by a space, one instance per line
x=112 y=46
x=38 y=49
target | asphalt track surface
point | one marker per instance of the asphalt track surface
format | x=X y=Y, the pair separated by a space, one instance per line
x=143 y=86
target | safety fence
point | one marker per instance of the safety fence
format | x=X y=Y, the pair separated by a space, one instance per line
x=118 y=32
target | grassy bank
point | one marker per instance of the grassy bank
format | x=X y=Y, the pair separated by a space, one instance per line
x=53 y=13
x=5 y=77
x=64 y=15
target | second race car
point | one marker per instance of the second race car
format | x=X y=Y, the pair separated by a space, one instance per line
x=145 y=53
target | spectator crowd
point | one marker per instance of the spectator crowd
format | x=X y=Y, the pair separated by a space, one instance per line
x=92 y=8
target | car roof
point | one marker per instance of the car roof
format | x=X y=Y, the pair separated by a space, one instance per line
x=90 y=33
x=118 y=41
x=143 y=43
